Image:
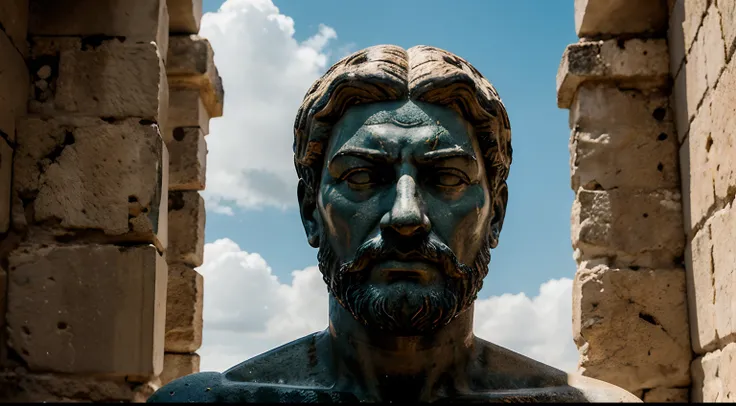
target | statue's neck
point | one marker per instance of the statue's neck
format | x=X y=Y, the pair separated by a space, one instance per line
x=389 y=367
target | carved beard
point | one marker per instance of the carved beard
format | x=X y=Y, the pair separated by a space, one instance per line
x=404 y=308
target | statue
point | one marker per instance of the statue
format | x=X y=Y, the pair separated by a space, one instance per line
x=402 y=157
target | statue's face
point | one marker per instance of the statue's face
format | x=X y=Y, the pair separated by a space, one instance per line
x=403 y=214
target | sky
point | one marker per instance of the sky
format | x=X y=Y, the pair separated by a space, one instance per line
x=262 y=287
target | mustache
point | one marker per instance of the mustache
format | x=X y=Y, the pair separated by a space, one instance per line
x=429 y=249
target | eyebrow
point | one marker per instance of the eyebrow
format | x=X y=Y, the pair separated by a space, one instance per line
x=365 y=153
x=447 y=153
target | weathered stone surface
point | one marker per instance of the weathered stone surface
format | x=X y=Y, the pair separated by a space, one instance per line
x=637 y=229
x=93 y=309
x=14 y=21
x=14 y=83
x=703 y=66
x=622 y=139
x=183 y=309
x=695 y=78
x=136 y=20
x=631 y=63
x=631 y=326
x=700 y=291
x=86 y=173
x=714 y=47
x=669 y=395
x=723 y=234
x=714 y=376
x=188 y=159
x=596 y=18
x=107 y=78
x=723 y=122
x=698 y=169
x=20 y=386
x=6 y=168
x=178 y=365
x=186 y=109
x=692 y=13
x=727 y=9
x=191 y=64
x=185 y=16
x=186 y=228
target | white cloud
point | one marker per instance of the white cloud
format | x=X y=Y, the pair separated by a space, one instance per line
x=247 y=311
x=266 y=73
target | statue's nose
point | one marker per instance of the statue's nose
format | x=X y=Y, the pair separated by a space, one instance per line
x=406 y=217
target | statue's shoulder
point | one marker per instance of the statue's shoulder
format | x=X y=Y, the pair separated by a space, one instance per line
x=507 y=369
x=202 y=387
x=295 y=371
x=597 y=391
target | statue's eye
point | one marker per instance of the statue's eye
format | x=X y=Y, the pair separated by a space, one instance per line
x=359 y=177
x=448 y=179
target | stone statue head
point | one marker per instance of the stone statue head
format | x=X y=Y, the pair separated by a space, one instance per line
x=402 y=158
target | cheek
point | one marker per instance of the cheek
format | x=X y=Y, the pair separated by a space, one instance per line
x=347 y=223
x=465 y=223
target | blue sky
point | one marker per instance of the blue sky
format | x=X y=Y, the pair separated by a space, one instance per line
x=517 y=45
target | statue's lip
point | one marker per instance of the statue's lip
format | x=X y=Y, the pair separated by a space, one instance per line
x=391 y=270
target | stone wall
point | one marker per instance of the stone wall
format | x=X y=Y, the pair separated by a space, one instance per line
x=651 y=89
x=703 y=34
x=103 y=114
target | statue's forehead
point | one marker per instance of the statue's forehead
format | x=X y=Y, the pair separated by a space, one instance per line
x=408 y=114
x=403 y=119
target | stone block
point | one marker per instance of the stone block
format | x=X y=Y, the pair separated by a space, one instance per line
x=136 y=20
x=191 y=64
x=668 y=395
x=178 y=365
x=184 y=309
x=714 y=376
x=79 y=173
x=597 y=18
x=701 y=292
x=14 y=21
x=723 y=122
x=186 y=109
x=188 y=159
x=723 y=235
x=6 y=168
x=636 y=229
x=727 y=9
x=698 y=169
x=622 y=139
x=14 y=82
x=694 y=82
x=93 y=309
x=22 y=387
x=93 y=77
x=185 y=16
x=633 y=63
x=692 y=12
x=186 y=228
x=714 y=47
x=631 y=326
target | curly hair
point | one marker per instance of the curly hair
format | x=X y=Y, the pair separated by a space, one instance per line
x=390 y=73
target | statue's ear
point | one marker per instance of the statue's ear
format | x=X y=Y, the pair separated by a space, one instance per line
x=308 y=210
x=499 y=212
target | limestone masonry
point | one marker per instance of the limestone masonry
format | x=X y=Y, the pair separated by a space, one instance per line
x=104 y=111
x=651 y=89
